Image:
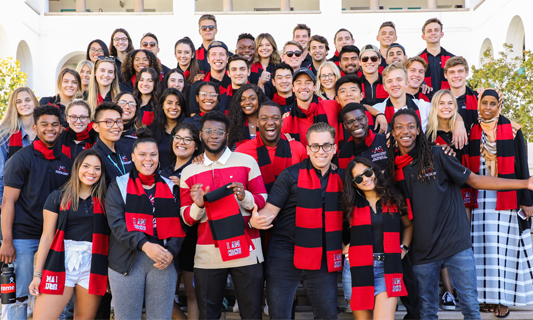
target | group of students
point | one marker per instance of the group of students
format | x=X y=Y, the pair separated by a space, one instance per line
x=270 y=166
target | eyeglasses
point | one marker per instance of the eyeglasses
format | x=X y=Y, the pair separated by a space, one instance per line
x=106 y=58
x=186 y=140
x=217 y=132
x=316 y=147
x=359 y=178
x=83 y=119
x=373 y=58
x=291 y=53
x=325 y=76
x=120 y=39
x=110 y=123
x=204 y=95
x=124 y=103
x=351 y=122
x=149 y=44
x=93 y=50
x=208 y=28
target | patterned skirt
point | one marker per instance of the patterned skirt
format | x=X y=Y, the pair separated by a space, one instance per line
x=503 y=253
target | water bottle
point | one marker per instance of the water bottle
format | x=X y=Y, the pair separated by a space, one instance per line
x=8 y=285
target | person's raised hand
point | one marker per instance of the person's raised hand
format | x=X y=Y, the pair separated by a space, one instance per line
x=425 y=89
x=199 y=159
x=264 y=78
x=175 y=180
x=381 y=123
x=197 y=194
x=238 y=190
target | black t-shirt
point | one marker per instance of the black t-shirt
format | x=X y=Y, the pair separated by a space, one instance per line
x=79 y=223
x=116 y=163
x=284 y=195
x=165 y=146
x=440 y=224
x=35 y=177
x=377 y=228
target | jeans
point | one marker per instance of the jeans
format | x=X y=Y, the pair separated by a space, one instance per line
x=282 y=280
x=25 y=249
x=462 y=270
x=347 y=280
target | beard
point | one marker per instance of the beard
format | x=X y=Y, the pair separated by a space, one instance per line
x=217 y=150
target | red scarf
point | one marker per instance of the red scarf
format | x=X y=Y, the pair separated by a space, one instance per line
x=271 y=168
x=444 y=56
x=309 y=213
x=48 y=154
x=350 y=149
x=15 y=143
x=53 y=278
x=291 y=123
x=401 y=162
x=390 y=110
x=69 y=135
x=133 y=78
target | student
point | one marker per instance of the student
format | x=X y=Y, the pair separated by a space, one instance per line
x=149 y=42
x=25 y=191
x=301 y=34
x=282 y=82
x=242 y=114
x=170 y=112
x=435 y=55
x=206 y=96
x=119 y=47
x=84 y=69
x=293 y=54
x=246 y=47
x=395 y=53
x=349 y=61
x=342 y=38
x=226 y=197
x=96 y=48
x=376 y=210
x=16 y=128
x=416 y=68
x=327 y=75
x=239 y=73
x=109 y=125
x=104 y=83
x=348 y=90
x=386 y=37
x=131 y=117
x=77 y=136
x=74 y=217
x=441 y=234
x=146 y=235
x=135 y=61
x=147 y=91
x=267 y=56
x=68 y=86
x=175 y=78
x=302 y=248
x=373 y=90
x=207 y=28
x=318 y=48
x=456 y=72
x=187 y=62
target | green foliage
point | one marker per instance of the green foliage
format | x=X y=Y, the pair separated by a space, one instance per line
x=514 y=78
x=11 y=78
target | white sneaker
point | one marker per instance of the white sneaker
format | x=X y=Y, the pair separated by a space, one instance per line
x=236 y=307
x=265 y=309
x=448 y=301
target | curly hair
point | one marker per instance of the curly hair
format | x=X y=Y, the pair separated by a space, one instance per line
x=127 y=65
x=236 y=115
x=385 y=190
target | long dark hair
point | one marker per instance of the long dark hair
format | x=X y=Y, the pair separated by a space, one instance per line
x=155 y=78
x=164 y=83
x=160 y=119
x=113 y=50
x=127 y=65
x=195 y=133
x=136 y=121
x=102 y=44
x=194 y=69
x=385 y=190
x=426 y=161
x=236 y=116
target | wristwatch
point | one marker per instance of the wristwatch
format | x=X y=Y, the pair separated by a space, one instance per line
x=404 y=248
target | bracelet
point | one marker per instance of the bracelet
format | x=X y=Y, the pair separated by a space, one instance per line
x=404 y=248
x=380 y=114
x=37 y=274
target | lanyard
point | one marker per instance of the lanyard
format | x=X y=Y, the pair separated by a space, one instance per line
x=123 y=171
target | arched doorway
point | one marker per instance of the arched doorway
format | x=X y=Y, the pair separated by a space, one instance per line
x=70 y=60
x=515 y=37
x=26 y=62
x=487 y=44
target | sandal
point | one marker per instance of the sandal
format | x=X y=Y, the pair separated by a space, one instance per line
x=487 y=308
x=500 y=316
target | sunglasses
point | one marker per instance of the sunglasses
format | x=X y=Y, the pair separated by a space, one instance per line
x=291 y=53
x=149 y=44
x=104 y=58
x=208 y=28
x=373 y=58
x=359 y=178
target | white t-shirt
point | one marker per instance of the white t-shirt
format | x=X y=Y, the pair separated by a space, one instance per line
x=423 y=106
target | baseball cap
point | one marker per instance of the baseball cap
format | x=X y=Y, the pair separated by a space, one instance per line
x=306 y=71
x=370 y=47
x=217 y=44
x=395 y=45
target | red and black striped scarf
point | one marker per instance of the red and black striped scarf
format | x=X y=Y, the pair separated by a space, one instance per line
x=376 y=91
x=139 y=210
x=444 y=56
x=47 y=153
x=401 y=162
x=283 y=101
x=227 y=224
x=420 y=96
x=315 y=110
x=505 y=200
x=53 y=278
x=350 y=149
x=223 y=85
x=69 y=135
x=15 y=143
x=470 y=113
x=310 y=208
x=335 y=59
x=390 y=110
x=200 y=53
x=362 y=259
x=271 y=168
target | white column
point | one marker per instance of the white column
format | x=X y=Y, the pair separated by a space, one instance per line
x=138 y=6
x=373 y=4
x=80 y=6
x=432 y=4
x=285 y=5
x=227 y=6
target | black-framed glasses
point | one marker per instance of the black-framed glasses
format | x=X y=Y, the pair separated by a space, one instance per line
x=208 y=28
x=125 y=39
x=372 y=58
x=359 y=178
x=351 y=122
x=316 y=147
x=124 y=103
x=110 y=123
x=217 y=132
x=106 y=58
x=96 y=50
x=291 y=53
x=186 y=140
x=149 y=44
x=74 y=118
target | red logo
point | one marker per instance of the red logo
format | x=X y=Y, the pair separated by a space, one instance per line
x=8 y=288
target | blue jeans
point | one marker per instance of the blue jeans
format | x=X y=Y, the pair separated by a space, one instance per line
x=25 y=249
x=347 y=280
x=462 y=270
x=282 y=280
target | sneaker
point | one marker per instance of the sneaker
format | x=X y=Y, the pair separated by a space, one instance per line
x=236 y=307
x=224 y=304
x=265 y=309
x=448 y=301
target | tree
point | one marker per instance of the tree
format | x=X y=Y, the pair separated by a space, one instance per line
x=10 y=78
x=514 y=78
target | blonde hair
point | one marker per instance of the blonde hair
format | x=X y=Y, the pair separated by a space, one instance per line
x=11 y=121
x=433 y=119
x=78 y=102
x=94 y=90
x=275 y=58
x=407 y=63
x=62 y=74
x=82 y=64
x=392 y=67
x=333 y=68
